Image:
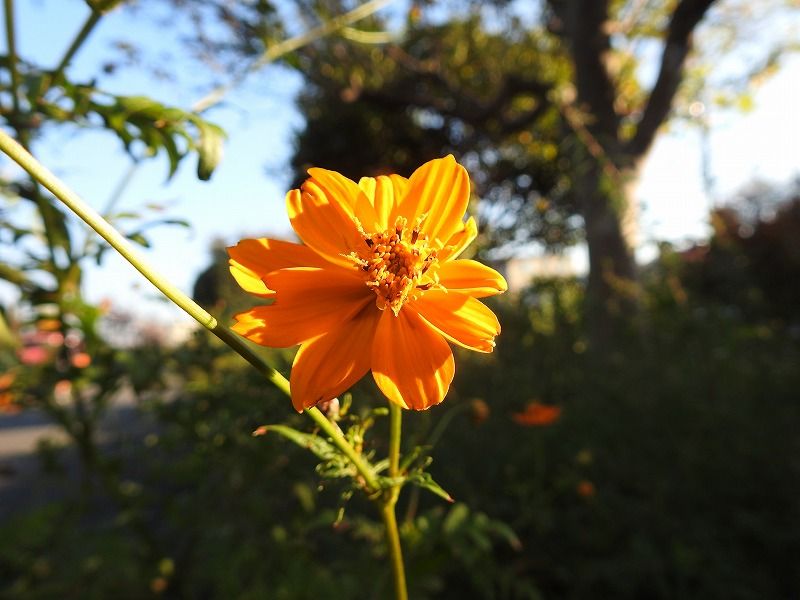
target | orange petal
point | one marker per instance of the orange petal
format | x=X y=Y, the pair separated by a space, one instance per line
x=330 y=364
x=324 y=213
x=253 y=259
x=472 y=278
x=309 y=302
x=385 y=193
x=411 y=363
x=399 y=185
x=460 y=318
x=321 y=225
x=439 y=189
x=459 y=241
x=347 y=194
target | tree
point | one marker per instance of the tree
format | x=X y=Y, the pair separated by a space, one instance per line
x=751 y=264
x=548 y=111
x=614 y=153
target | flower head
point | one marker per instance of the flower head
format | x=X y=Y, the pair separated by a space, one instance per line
x=585 y=489
x=377 y=285
x=537 y=414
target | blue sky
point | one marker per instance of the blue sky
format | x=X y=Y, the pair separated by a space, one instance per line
x=245 y=196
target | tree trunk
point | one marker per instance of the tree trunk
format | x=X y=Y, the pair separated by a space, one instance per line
x=612 y=292
x=611 y=164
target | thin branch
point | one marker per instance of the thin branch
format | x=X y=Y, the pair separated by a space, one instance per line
x=12 y=56
x=459 y=104
x=575 y=121
x=685 y=19
x=283 y=48
x=514 y=124
x=77 y=42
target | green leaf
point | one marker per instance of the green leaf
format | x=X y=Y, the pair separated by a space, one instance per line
x=504 y=531
x=140 y=118
x=7 y=339
x=425 y=481
x=176 y=222
x=415 y=454
x=209 y=148
x=140 y=105
x=55 y=224
x=173 y=152
x=138 y=238
x=320 y=447
x=457 y=517
x=122 y=215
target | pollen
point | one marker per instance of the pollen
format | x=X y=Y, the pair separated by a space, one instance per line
x=397 y=264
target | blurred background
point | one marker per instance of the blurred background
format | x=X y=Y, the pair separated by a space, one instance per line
x=636 y=178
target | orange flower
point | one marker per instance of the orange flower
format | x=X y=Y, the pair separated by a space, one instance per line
x=537 y=414
x=6 y=395
x=585 y=489
x=81 y=360
x=377 y=285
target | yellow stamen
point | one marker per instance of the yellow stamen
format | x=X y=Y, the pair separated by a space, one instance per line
x=396 y=264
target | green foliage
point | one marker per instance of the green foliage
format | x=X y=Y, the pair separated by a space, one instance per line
x=233 y=514
x=460 y=86
x=139 y=121
x=751 y=264
x=53 y=351
x=666 y=475
x=683 y=442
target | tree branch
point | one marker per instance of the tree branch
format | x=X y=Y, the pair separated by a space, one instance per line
x=451 y=99
x=677 y=45
x=461 y=104
x=586 y=28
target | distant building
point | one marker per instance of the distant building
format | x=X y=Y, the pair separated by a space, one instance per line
x=521 y=271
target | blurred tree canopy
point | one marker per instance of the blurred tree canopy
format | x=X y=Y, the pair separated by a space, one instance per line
x=549 y=110
x=553 y=107
x=752 y=262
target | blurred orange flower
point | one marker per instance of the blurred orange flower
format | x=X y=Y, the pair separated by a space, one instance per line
x=81 y=360
x=6 y=379
x=6 y=396
x=48 y=325
x=537 y=414
x=479 y=411
x=586 y=489
x=377 y=285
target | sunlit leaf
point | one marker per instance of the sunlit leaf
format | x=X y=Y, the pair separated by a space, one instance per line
x=138 y=238
x=209 y=148
x=318 y=446
x=425 y=481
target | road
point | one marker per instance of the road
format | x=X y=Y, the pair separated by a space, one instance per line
x=23 y=480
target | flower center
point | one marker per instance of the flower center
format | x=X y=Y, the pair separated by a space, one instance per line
x=396 y=262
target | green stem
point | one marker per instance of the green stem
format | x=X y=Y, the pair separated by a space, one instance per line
x=388 y=501
x=113 y=199
x=284 y=47
x=395 y=551
x=12 y=56
x=41 y=174
x=76 y=44
x=364 y=468
x=395 y=426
